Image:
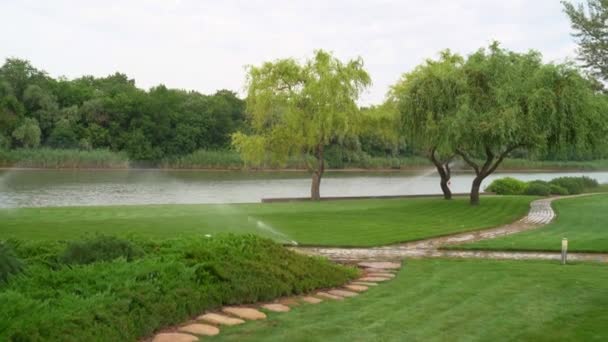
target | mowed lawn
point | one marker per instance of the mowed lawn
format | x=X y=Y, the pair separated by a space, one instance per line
x=337 y=223
x=454 y=300
x=583 y=221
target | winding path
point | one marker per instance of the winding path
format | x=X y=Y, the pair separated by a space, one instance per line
x=541 y=213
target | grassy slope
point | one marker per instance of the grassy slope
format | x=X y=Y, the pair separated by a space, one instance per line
x=346 y=223
x=455 y=300
x=584 y=221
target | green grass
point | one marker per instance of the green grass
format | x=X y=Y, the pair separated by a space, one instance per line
x=337 y=223
x=583 y=221
x=454 y=300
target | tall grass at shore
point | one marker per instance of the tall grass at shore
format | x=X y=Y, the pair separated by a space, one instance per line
x=48 y=158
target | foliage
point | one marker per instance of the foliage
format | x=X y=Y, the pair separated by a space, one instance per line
x=175 y=280
x=70 y=158
x=299 y=109
x=99 y=248
x=558 y=190
x=507 y=186
x=28 y=134
x=575 y=185
x=590 y=31
x=9 y=263
x=538 y=189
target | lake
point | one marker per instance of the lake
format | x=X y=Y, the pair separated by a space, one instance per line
x=36 y=188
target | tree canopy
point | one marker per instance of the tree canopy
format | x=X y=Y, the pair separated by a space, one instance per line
x=299 y=109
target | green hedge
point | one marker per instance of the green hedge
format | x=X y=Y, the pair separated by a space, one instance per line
x=122 y=300
x=557 y=186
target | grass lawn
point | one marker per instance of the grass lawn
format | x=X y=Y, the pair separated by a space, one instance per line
x=583 y=221
x=455 y=300
x=338 y=223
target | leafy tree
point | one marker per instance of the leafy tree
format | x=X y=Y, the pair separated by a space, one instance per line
x=428 y=99
x=299 y=109
x=510 y=102
x=28 y=133
x=63 y=135
x=590 y=25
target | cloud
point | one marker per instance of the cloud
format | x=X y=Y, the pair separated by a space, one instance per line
x=204 y=45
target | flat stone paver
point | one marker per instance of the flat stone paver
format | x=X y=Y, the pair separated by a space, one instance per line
x=343 y=293
x=356 y=288
x=245 y=313
x=378 y=270
x=364 y=283
x=374 y=279
x=311 y=300
x=214 y=318
x=200 y=329
x=382 y=275
x=381 y=264
x=174 y=337
x=289 y=301
x=329 y=296
x=276 y=307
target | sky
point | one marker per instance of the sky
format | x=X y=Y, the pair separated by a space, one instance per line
x=204 y=45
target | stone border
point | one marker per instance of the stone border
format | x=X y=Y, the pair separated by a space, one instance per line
x=209 y=323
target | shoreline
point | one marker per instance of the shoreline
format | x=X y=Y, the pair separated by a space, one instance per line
x=292 y=170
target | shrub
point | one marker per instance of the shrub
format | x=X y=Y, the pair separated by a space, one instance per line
x=100 y=248
x=589 y=183
x=175 y=280
x=507 y=186
x=9 y=263
x=574 y=185
x=558 y=190
x=538 y=189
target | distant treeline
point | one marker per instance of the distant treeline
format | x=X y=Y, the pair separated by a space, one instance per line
x=117 y=122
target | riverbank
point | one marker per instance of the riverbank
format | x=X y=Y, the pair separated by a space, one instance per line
x=226 y=160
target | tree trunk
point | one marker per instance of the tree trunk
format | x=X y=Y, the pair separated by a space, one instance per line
x=444 y=172
x=317 y=175
x=474 y=197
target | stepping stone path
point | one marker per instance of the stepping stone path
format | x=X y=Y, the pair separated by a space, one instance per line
x=328 y=296
x=364 y=283
x=245 y=313
x=373 y=272
x=311 y=300
x=356 y=288
x=343 y=293
x=381 y=264
x=276 y=307
x=374 y=279
x=200 y=329
x=214 y=318
x=174 y=337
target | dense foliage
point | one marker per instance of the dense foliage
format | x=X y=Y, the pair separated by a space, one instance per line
x=111 y=112
x=557 y=186
x=123 y=300
x=9 y=263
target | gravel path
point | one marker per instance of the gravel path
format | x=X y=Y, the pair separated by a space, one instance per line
x=541 y=213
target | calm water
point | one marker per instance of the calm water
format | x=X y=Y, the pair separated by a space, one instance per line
x=19 y=188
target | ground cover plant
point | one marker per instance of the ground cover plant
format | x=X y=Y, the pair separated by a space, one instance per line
x=582 y=220
x=338 y=223
x=455 y=300
x=122 y=300
x=556 y=186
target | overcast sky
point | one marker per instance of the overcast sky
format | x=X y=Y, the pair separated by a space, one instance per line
x=204 y=45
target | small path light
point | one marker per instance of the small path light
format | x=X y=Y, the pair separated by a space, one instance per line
x=564 y=250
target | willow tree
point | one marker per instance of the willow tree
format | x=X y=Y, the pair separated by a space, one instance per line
x=428 y=99
x=298 y=109
x=511 y=101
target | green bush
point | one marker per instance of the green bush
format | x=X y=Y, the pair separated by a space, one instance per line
x=558 y=190
x=574 y=185
x=173 y=281
x=507 y=186
x=9 y=263
x=100 y=248
x=538 y=189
